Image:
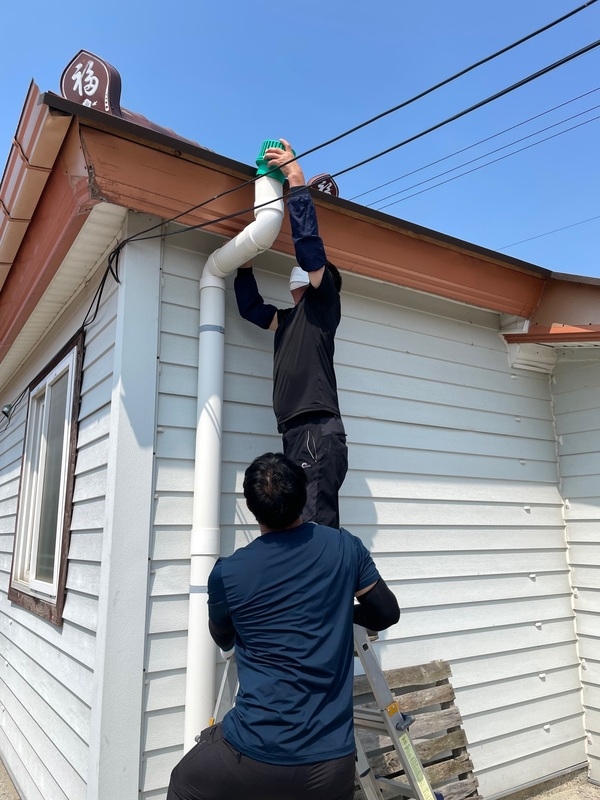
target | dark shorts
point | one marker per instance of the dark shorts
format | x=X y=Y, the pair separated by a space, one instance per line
x=318 y=445
x=215 y=770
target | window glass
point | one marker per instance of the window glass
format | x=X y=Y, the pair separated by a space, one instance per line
x=43 y=522
x=54 y=458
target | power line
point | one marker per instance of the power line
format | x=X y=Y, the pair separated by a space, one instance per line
x=485 y=155
x=471 y=146
x=539 y=73
x=493 y=161
x=548 y=233
x=113 y=257
x=446 y=81
x=561 y=62
x=383 y=114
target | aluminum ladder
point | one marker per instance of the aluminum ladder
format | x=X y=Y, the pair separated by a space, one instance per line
x=387 y=719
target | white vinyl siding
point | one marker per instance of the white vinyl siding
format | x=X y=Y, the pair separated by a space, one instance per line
x=115 y=731
x=452 y=484
x=46 y=688
x=577 y=405
x=166 y=648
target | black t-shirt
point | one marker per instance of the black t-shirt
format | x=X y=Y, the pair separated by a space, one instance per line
x=303 y=373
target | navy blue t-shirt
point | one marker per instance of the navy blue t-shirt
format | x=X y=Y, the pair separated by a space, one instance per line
x=290 y=597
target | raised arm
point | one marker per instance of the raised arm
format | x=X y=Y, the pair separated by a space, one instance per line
x=310 y=252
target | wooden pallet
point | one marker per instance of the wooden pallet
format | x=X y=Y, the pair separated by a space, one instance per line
x=425 y=692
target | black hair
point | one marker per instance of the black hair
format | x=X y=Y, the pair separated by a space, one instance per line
x=275 y=490
x=335 y=274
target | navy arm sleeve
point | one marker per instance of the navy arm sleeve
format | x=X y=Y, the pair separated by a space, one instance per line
x=378 y=608
x=310 y=252
x=220 y=623
x=249 y=301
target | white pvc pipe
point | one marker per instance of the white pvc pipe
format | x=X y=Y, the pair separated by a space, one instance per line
x=257 y=237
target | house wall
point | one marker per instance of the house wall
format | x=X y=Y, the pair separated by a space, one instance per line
x=577 y=406
x=47 y=680
x=71 y=696
x=452 y=485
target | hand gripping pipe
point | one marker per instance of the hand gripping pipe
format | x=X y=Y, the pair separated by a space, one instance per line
x=257 y=237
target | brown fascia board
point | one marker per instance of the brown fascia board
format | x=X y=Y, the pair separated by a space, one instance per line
x=147 y=133
x=59 y=216
x=568 y=312
x=170 y=142
x=374 y=244
x=156 y=173
x=130 y=175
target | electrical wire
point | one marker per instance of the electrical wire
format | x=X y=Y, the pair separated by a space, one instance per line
x=370 y=121
x=485 y=155
x=97 y=298
x=496 y=96
x=12 y=407
x=548 y=233
x=539 y=73
x=493 y=161
x=113 y=257
x=475 y=144
x=446 y=81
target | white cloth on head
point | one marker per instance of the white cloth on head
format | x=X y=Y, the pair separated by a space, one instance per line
x=298 y=278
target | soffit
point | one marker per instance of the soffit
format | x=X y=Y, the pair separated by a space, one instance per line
x=89 y=250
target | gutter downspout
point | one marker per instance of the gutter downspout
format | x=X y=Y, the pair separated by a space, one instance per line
x=257 y=237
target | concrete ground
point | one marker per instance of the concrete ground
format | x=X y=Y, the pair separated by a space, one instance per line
x=574 y=786
x=7 y=790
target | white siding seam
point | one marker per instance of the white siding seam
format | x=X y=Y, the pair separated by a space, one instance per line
x=558 y=437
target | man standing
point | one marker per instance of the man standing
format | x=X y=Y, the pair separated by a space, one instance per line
x=286 y=601
x=305 y=398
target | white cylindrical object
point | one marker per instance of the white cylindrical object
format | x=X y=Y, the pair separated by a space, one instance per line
x=256 y=237
x=205 y=536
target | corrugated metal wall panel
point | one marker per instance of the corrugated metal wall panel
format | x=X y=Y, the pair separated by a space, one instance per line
x=452 y=485
x=577 y=406
x=46 y=689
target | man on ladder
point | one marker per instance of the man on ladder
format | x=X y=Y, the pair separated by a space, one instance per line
x=305 y=397
x=286 y=602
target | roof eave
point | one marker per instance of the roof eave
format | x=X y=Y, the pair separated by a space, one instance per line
x=35 y=147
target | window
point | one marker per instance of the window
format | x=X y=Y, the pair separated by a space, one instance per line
x=45 y=496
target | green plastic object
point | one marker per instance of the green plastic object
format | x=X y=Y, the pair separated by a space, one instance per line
x=262 y=164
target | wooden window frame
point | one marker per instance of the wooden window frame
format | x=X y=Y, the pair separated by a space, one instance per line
x=50 y=607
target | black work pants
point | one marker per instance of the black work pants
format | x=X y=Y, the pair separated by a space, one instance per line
x=318 y=445
x=215 y=770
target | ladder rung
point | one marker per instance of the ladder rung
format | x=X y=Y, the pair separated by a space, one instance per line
x=404 y=789
x=380 y=751
x=371 y=722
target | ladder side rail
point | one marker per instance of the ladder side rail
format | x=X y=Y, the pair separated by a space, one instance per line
x=395 y=721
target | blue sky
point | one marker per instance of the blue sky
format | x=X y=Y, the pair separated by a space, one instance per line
x=230 y=75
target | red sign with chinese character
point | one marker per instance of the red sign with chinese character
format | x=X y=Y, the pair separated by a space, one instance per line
x=92 y=82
